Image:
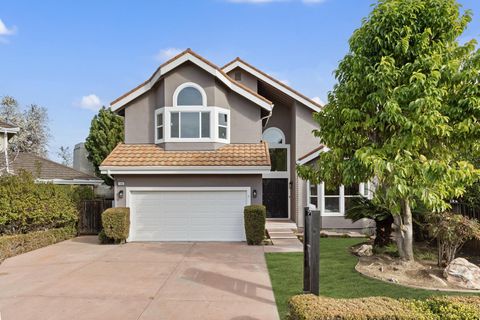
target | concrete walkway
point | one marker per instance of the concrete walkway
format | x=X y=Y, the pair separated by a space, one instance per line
x=284 y=239
x=79 y=279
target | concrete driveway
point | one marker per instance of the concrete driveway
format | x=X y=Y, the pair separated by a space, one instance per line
x=79 y=279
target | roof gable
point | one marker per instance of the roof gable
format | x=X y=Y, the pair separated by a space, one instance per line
x=189 y=55
x=239 y=63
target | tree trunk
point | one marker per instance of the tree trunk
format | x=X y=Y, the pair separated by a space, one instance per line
x=404 y=232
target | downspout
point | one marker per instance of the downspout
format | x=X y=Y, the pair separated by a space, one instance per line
x=267 y=117
x=109 y=175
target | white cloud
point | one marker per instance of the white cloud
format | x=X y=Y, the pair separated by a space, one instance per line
x=166 y=54
x=5 y=32
x=90 y=102
x=318 y=100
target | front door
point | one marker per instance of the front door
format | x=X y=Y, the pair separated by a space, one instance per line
x=275 y=197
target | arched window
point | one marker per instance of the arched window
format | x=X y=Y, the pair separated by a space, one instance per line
x=189 y=94
x=273 y=136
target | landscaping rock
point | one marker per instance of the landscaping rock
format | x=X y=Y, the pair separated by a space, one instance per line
x=438 y=280
x=365 y=250
x=463 y=273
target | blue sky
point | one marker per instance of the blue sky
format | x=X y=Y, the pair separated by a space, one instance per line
x=72 y=56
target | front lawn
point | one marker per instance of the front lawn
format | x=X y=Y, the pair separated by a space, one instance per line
x=338 y=278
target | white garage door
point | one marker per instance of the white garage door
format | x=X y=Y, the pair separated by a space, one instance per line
x=188 y=215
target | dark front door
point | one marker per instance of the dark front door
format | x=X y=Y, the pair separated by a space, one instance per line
x=275 y=197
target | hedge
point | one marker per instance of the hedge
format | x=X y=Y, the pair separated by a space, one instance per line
x=310 y=307
x=116 y=223
x=255 y=216
x=12 y=245
x=26 y=206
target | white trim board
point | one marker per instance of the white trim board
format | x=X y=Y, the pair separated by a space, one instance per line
x=274 y=84
x=184 y=170
x=312 y=156
x=188 y=56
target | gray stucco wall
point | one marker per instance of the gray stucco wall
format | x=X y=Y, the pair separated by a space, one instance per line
x=245 y=116
x=304 y=143
x=246 y=78
x=252 y=181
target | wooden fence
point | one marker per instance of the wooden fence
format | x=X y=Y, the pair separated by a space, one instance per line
x=90 y=220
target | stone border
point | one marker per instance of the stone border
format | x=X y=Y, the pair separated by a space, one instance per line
x=412 y=286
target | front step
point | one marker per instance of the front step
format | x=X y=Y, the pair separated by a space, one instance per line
x=281 y=234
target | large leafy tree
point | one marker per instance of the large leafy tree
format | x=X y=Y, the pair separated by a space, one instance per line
x=106 y=131
x=405 y=110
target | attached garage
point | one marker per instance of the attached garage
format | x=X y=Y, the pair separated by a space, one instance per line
x=187 y=214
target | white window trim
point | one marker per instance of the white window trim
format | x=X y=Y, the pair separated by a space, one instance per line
x=341 y=198
x=187 y=85
x=157 y=112
x=214 y=111
x=274 y=129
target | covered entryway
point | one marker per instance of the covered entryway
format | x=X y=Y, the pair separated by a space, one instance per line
x=187 y=214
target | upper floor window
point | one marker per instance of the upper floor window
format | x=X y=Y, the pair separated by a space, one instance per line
x=274 y=136
x=190 y=119
x=189 y=94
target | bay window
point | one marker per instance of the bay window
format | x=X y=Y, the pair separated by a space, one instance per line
x=190 y=119
x=335 y=202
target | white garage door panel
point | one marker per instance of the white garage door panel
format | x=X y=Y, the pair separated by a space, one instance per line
x=194 y=215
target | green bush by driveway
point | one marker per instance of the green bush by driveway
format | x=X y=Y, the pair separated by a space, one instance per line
x=26 y=206
x=255 y=216
x=116 y=223
x=12 y=245
x=338 y=277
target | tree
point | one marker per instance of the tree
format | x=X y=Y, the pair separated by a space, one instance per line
x=65 y=154
x=106 y=132
x=405 y=110
x=33 y=123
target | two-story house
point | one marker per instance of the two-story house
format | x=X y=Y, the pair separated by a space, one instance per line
x=201 y=142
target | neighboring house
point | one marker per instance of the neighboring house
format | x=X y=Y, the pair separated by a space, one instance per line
x=201 y=142
x=42 y=169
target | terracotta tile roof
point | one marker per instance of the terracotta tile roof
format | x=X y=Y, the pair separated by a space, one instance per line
x=151 y=155
x=42 y=168
x=190 y=51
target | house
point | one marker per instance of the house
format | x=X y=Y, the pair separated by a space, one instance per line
x=42 y=169
x=201 y=142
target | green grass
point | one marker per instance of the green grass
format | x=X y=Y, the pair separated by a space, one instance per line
x=338 y=278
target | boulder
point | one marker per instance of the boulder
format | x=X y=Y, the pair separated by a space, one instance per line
x=462 y=273
x=365 y=250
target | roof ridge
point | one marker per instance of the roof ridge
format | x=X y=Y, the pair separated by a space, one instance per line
x=198 y=56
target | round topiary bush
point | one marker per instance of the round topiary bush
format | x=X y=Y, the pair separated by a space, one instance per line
x=255 y=216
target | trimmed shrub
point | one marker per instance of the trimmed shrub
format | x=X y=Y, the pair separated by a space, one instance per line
x=12 y=245
x=116 y=223
x=310 y=307
x=255 y=216
x=102 y=237
x=26 y=206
